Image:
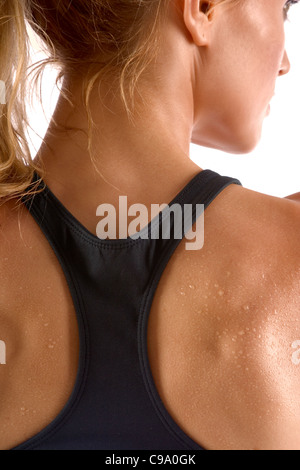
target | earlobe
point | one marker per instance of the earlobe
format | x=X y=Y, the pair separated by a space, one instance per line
x=197 y=20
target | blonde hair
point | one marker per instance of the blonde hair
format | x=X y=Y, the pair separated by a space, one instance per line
x=118 y=39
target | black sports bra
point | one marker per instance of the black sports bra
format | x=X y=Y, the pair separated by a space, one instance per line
x=115 y=404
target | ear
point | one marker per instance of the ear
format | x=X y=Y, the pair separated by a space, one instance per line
x=198 y=20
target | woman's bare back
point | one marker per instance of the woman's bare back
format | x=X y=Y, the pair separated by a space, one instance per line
x=220 y=333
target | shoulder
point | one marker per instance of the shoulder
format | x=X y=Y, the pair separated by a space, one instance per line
x=249 y=220
x=10 y=212
x=17 y=233
x=294 y=197
x=225 y=317
x=9 y=253
x=253 y=304
x=252 y=249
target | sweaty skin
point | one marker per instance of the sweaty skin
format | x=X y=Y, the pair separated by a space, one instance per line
x=223 y=320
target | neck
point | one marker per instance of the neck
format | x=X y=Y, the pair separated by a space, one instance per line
x=156 y=143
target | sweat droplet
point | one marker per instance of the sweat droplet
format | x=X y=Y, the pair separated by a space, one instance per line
x=221 y=292
x=191 y=287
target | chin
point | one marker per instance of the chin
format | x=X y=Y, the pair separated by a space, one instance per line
x=241 y=144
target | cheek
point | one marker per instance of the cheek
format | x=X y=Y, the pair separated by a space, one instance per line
x=253 y=69
x=234 y=97
x=269 y=57
x=251 y=46
x=246 y=75
x=239 y=81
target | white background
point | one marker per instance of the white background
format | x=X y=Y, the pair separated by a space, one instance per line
x=272 y=168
